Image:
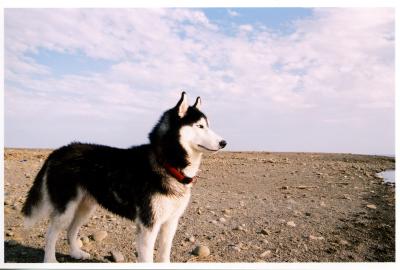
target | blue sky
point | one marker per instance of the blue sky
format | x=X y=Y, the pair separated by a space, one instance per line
x=271 y=79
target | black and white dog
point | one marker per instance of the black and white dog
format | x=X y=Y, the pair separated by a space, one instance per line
x=149 y=184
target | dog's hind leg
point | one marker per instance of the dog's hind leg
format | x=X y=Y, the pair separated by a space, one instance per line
x=58 y=222
x=145 y=242
x=82 y=213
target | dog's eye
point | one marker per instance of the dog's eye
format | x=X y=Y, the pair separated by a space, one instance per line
x=200 y=126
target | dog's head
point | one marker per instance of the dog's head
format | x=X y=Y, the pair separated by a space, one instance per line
x=184 y=130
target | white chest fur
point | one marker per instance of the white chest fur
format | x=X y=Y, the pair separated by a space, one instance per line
x=170 y=207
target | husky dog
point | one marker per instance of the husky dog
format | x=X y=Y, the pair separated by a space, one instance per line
x=149 y=184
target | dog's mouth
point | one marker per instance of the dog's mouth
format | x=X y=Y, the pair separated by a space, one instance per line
x=212 y=150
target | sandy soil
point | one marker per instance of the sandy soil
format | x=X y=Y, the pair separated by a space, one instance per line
x=246 y=207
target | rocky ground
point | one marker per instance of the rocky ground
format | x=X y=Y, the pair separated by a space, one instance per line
x=246 y=207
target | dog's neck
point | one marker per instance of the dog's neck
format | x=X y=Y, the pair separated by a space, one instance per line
x=194 y=159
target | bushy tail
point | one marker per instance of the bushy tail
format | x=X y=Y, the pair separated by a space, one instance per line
x=34 y=206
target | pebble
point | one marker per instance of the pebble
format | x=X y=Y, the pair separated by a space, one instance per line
x=322 y=204
x=226 y=211
x=192 y=239
x=265 y=232
x=201 y=251
x=239 y=228
x=266 y=253
x=344 y=242
x=9 y=233
x=312 y=237
x=371 y=206
x=214 y=222
x=285 y=187
x=117 y=256
x=85 y=240
x=291 y=224
x=99 y=236
x=221 y=219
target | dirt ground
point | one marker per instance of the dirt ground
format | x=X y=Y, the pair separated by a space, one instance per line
x=245 y=207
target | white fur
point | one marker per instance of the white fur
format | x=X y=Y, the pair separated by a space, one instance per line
x=42 y=209
x=199 y=138
x=167 y=211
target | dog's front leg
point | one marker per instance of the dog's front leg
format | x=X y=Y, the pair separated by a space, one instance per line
x=145 y=242
x=166 y=237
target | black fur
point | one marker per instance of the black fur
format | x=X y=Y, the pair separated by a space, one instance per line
x=104 y=171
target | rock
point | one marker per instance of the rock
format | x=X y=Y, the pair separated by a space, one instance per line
x=192 y=239
x=322 y=204
x=265 y=232
x=312 y=237
x=236 y=248
x=226 y=211
x=85 y=240
x=9 y=233
x=266 y=253
x=239 y=228
x=214 y=222
x=371 y=206
x=285 y=187
x=346 y=197
x=117 y=256
x=344 y=242
x=291 y=223
x=99 y=236
x=221 y=219
x=308 y=214
x=201 y=251
x=265 y=241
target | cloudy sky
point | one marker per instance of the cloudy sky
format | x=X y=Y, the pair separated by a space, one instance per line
x=272 y=79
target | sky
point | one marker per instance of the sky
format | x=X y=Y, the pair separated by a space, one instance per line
x=270 y=79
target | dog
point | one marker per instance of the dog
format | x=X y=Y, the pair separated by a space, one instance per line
x=149 y=184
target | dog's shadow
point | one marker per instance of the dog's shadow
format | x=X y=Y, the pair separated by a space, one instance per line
x=17 y=253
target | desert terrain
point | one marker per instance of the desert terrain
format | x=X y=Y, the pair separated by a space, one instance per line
x=245 y=207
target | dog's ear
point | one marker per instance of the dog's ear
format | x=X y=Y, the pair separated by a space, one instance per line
x=197 y=104
x=182 y=105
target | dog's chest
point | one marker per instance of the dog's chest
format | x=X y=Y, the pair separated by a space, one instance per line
x=166 y=207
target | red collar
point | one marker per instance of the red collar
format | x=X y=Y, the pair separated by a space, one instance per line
x=178 y=174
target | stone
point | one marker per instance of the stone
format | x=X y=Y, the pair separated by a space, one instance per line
x=265 y=232
x=201 y=251
x=85 y=240
x=192 y=239
x=312 y=237
x=344 y=242
x=266 y=253
x=291 y=223
x=99 y=236
x=226 y=211
x=221 y=219
x=117 y=256
x=371 y=206
x=322 y=204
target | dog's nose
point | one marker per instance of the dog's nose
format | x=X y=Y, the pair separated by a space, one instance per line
x=222 y=143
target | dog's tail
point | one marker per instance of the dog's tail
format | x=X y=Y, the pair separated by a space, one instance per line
x=35 y=205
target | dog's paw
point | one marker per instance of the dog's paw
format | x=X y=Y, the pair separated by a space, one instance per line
x=50 y=260
x=80 y=254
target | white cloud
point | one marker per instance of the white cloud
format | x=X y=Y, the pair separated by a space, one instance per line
x=233 y=13
x=337 y=64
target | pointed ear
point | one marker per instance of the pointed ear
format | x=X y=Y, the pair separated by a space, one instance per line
x=182 y=105
x=197 y=104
